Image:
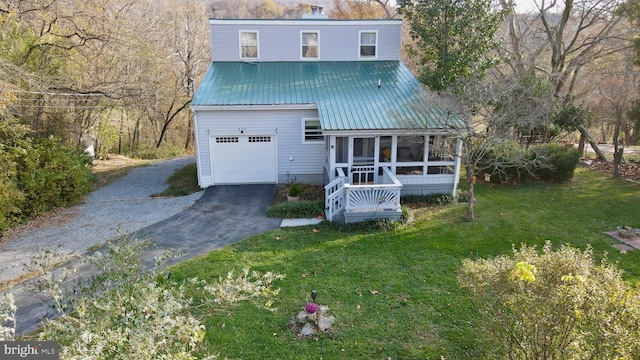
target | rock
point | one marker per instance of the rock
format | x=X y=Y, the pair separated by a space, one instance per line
x=308 y=330
x=325 y=323
x=323 y=309
x=301 y=317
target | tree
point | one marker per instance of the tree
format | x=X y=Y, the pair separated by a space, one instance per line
x=358 y=9
x=617 y=88
x=489 y=124
x=561 y=39
x=268 y=9
x=446 y=50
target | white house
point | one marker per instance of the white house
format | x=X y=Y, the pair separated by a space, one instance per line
x=322 y=101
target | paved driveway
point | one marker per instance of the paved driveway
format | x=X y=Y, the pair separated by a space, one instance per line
x=222 y=215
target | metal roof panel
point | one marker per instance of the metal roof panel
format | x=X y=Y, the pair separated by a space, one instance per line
x=346 y=93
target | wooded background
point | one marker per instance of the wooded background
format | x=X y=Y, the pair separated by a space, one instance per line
x=122 y=72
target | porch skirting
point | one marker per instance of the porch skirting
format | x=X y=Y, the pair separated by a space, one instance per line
x=361 y=216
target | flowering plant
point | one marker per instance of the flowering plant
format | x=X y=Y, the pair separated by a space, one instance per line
x=311 y=308
x=312 y=321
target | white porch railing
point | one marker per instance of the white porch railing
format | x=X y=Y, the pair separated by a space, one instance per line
x=334 y=199
x=341 y=197
x=362 y=174
x=372 y=198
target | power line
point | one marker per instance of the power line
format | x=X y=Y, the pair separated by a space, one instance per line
x=57 y=94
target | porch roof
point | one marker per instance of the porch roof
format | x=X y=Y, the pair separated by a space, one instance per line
x=346 y=93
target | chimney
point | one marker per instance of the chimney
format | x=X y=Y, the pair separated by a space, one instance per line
x=317 y=13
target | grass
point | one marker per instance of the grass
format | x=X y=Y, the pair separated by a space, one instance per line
x=182 y=182
x=395 y=293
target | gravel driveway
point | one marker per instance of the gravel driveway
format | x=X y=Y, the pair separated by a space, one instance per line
x=121 y=207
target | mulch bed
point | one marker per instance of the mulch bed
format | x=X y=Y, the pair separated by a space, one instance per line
x=309 y=192
x=629 y=170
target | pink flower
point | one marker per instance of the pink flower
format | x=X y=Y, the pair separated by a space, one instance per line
x=312 y=308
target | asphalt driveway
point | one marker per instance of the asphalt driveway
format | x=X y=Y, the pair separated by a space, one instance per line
x=222 y=215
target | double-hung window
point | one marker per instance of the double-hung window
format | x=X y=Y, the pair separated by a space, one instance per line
x=249 y=45
x=368 y=44
x=310 y=45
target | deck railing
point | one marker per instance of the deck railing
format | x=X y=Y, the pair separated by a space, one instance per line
x=372 y=198
x=341 y=196
x=334 y=196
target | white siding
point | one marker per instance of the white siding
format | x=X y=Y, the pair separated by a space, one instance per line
x=280 y=39
x=307 y=159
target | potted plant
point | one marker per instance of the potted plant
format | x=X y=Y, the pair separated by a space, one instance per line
x=294 y=192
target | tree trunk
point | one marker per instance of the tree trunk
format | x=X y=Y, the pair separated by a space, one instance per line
x=635 y=134
x=617 y=150
x=187 y=143
x=617 y=160
x=471 y=180
x=592 y=142
x=581 y=144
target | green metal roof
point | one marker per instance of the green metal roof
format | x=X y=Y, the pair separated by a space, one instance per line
x=346 y=93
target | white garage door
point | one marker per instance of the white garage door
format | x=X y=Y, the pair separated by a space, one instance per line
x=243 y=159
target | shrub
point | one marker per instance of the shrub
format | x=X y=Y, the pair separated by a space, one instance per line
x=51 y=175
x=7 y=317
x=505 y=160
x=298 y=209
x=295 y=189
x=560 y=161
x=131 y=312
x=508 y=161
x=11 y=199
x=555 y=304
x=166 y=151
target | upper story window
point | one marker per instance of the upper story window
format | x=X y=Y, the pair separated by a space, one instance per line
x=368 y=44
x=310 y=45
x=312 y=131
x=248 y=44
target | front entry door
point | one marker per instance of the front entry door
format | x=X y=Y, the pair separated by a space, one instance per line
x=363 y=168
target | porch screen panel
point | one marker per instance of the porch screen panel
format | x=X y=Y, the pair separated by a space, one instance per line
x=410 y=148
x=385 y=149
x=342 y=150
x=442 y=148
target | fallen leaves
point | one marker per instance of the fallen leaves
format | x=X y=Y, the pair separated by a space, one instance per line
x=628 y=170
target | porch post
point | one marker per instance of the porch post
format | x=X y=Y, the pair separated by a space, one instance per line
x=332 y=158
x=456 y=176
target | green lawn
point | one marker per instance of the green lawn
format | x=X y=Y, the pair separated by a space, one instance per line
x=395 y=294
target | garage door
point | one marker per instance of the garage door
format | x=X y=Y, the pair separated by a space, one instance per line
x=243 y=159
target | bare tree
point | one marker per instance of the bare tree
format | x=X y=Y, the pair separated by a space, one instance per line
x=489 y=124
x=367 y=9
x=617 y=86
x=560 y=39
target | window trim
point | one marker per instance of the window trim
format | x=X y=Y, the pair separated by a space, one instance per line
x=375 y=45
x=240 y=32
x=316 y=132
x=302 y=57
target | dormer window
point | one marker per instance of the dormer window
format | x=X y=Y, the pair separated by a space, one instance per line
x=368 y=44
x=248 y=44
x=310 y=45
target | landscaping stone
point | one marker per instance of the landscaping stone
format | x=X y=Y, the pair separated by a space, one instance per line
x=308 y=330
x=325 y=323
x=312 y=320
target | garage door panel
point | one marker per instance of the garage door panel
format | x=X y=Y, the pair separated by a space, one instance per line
x=243 y=159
